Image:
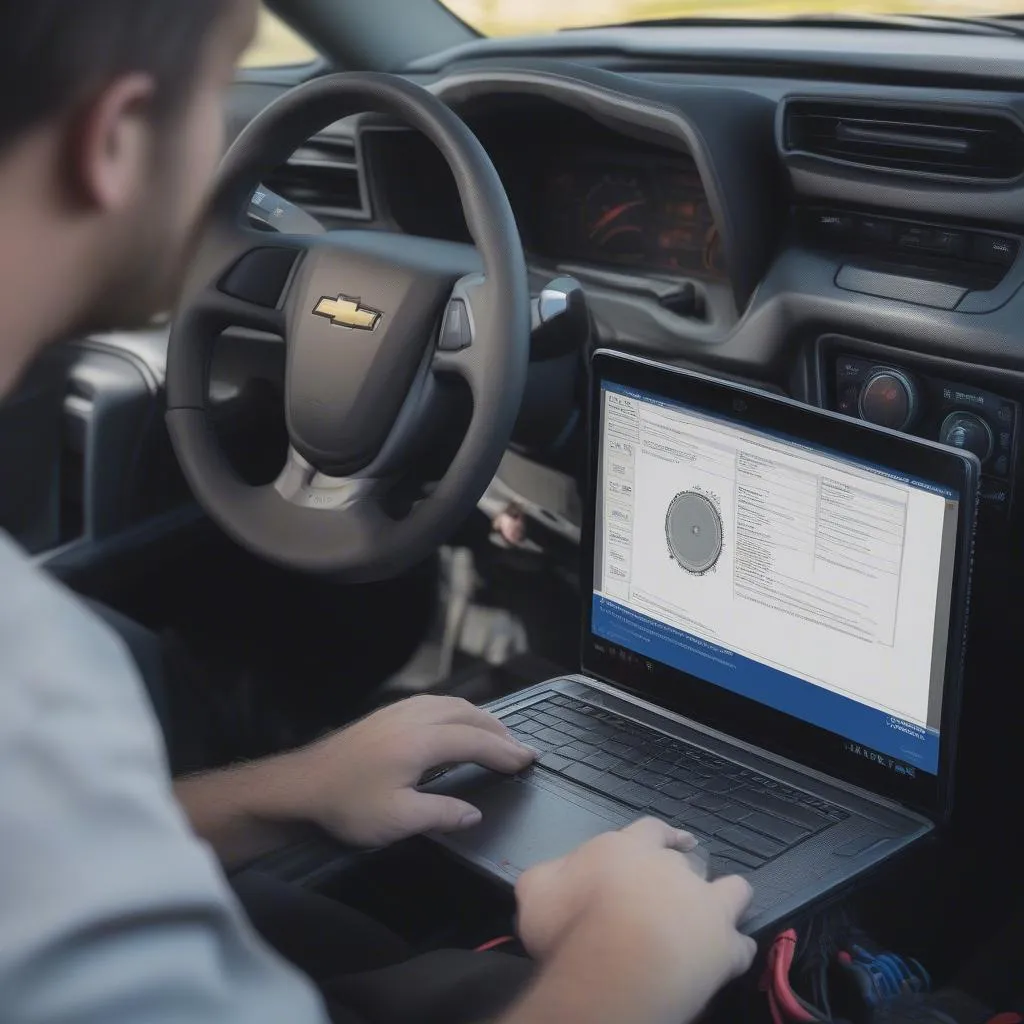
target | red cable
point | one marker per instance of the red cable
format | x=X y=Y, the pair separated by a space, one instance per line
x=1007 y=1018
x=773 y=1008
x=495 y=943
x=781 y=960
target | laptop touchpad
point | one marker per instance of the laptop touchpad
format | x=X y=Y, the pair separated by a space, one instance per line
x=525 y=823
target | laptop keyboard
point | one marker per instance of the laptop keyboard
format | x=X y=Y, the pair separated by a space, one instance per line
x=743 y=819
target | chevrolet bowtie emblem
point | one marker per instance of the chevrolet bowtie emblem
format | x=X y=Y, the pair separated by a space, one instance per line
x=345 y=312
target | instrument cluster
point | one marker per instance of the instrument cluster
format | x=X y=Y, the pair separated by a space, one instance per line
x=651 y=214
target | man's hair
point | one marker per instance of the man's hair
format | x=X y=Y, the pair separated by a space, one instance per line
x=57 y=54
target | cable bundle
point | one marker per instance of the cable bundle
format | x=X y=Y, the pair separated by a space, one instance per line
x=878 y=977
x=881 y=977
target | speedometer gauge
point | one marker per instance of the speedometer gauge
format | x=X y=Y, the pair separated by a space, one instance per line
x=633 y=212
x=615 y=217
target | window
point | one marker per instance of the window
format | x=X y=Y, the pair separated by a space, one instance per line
x=276 y=44
x=509 y=17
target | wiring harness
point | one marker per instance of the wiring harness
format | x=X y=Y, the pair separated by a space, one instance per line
x=840 y=965
x=876 y=976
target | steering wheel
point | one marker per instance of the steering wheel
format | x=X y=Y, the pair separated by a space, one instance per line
x=370 y=321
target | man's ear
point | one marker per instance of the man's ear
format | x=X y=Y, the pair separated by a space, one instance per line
x=112 y=144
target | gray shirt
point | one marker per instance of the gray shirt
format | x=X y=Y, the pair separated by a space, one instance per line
x=111 y=911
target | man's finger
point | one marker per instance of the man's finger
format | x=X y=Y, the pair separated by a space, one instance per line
x=415 y=813
x=466 y=744
x=746 y=952
x=734 y=894
x=653 y=832
x=456 y=711
x=684 y=841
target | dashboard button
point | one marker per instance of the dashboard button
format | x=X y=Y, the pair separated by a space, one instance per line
x=850 y=369
x=994 y=249
x=888 y=399
x=847 y=404
x=968 y=431
x=960 y=394
x=912 y=236
x=876 y=232
x=934 y=241
x=833 y=226
x=949 y=243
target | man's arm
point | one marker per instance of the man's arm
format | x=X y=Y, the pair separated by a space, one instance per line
x=358 y=785
x=584 y=984
x=245 y=811
x=112 y=912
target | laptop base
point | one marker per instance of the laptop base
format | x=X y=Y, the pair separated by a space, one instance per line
x=543 y=814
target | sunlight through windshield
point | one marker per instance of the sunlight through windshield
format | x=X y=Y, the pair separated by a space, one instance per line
x=507 y=17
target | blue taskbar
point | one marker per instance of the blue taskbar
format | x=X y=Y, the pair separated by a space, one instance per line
x=877 y=730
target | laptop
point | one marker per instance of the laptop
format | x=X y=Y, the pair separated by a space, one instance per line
x=775 y=600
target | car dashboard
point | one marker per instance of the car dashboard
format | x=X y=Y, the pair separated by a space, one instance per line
x=832 y=213
x=852 y=241
x=582 y=194
x=836 y=215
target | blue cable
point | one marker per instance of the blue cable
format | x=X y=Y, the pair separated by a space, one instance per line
x=926 y=978
x=865 y=982
x=915 y=977
x=891 y=975
x=900 y=975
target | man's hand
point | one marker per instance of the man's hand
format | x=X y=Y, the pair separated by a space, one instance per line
x=359 y=784
x=627 y=930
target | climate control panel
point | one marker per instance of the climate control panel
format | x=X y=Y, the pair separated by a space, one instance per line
x=957 y=415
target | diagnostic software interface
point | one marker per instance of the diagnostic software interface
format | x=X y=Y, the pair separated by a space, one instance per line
x=808 y=581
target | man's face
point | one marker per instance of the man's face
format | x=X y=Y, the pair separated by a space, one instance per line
x=150 y=243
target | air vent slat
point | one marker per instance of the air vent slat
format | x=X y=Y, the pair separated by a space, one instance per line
x=951 y=144
x=324 y=178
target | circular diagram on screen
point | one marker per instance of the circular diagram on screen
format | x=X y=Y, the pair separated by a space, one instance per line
x=693 y=529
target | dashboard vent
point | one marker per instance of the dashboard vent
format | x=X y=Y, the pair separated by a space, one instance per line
x=324 y=178
x=914 y=140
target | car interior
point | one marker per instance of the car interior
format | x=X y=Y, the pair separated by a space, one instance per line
x=828 y=207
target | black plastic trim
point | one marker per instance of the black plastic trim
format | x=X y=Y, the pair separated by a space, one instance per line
x=830 y=165
x=915 y=290
x=724 y=132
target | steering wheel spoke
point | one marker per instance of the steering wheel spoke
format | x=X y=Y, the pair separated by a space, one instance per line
x=462 y=328
x=222 y=311
x=301 y=483
x=253 y=285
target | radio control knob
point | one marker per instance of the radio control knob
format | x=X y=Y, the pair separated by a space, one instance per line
x=968 y=431
x=888 y=398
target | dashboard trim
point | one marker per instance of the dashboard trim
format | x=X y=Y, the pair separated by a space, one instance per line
x=785 y=50
x=960 y=185
x=647 y=117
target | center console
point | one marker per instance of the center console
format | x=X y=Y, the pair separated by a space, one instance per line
x=913 y=397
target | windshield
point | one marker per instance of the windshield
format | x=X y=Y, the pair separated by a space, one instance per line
x=510 y=17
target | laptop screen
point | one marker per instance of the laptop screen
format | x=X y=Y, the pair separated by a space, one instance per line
x=814 y=583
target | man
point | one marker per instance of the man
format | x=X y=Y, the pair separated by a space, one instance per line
x=111 y=910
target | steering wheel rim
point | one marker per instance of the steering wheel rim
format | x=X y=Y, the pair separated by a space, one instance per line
x=435 y=307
